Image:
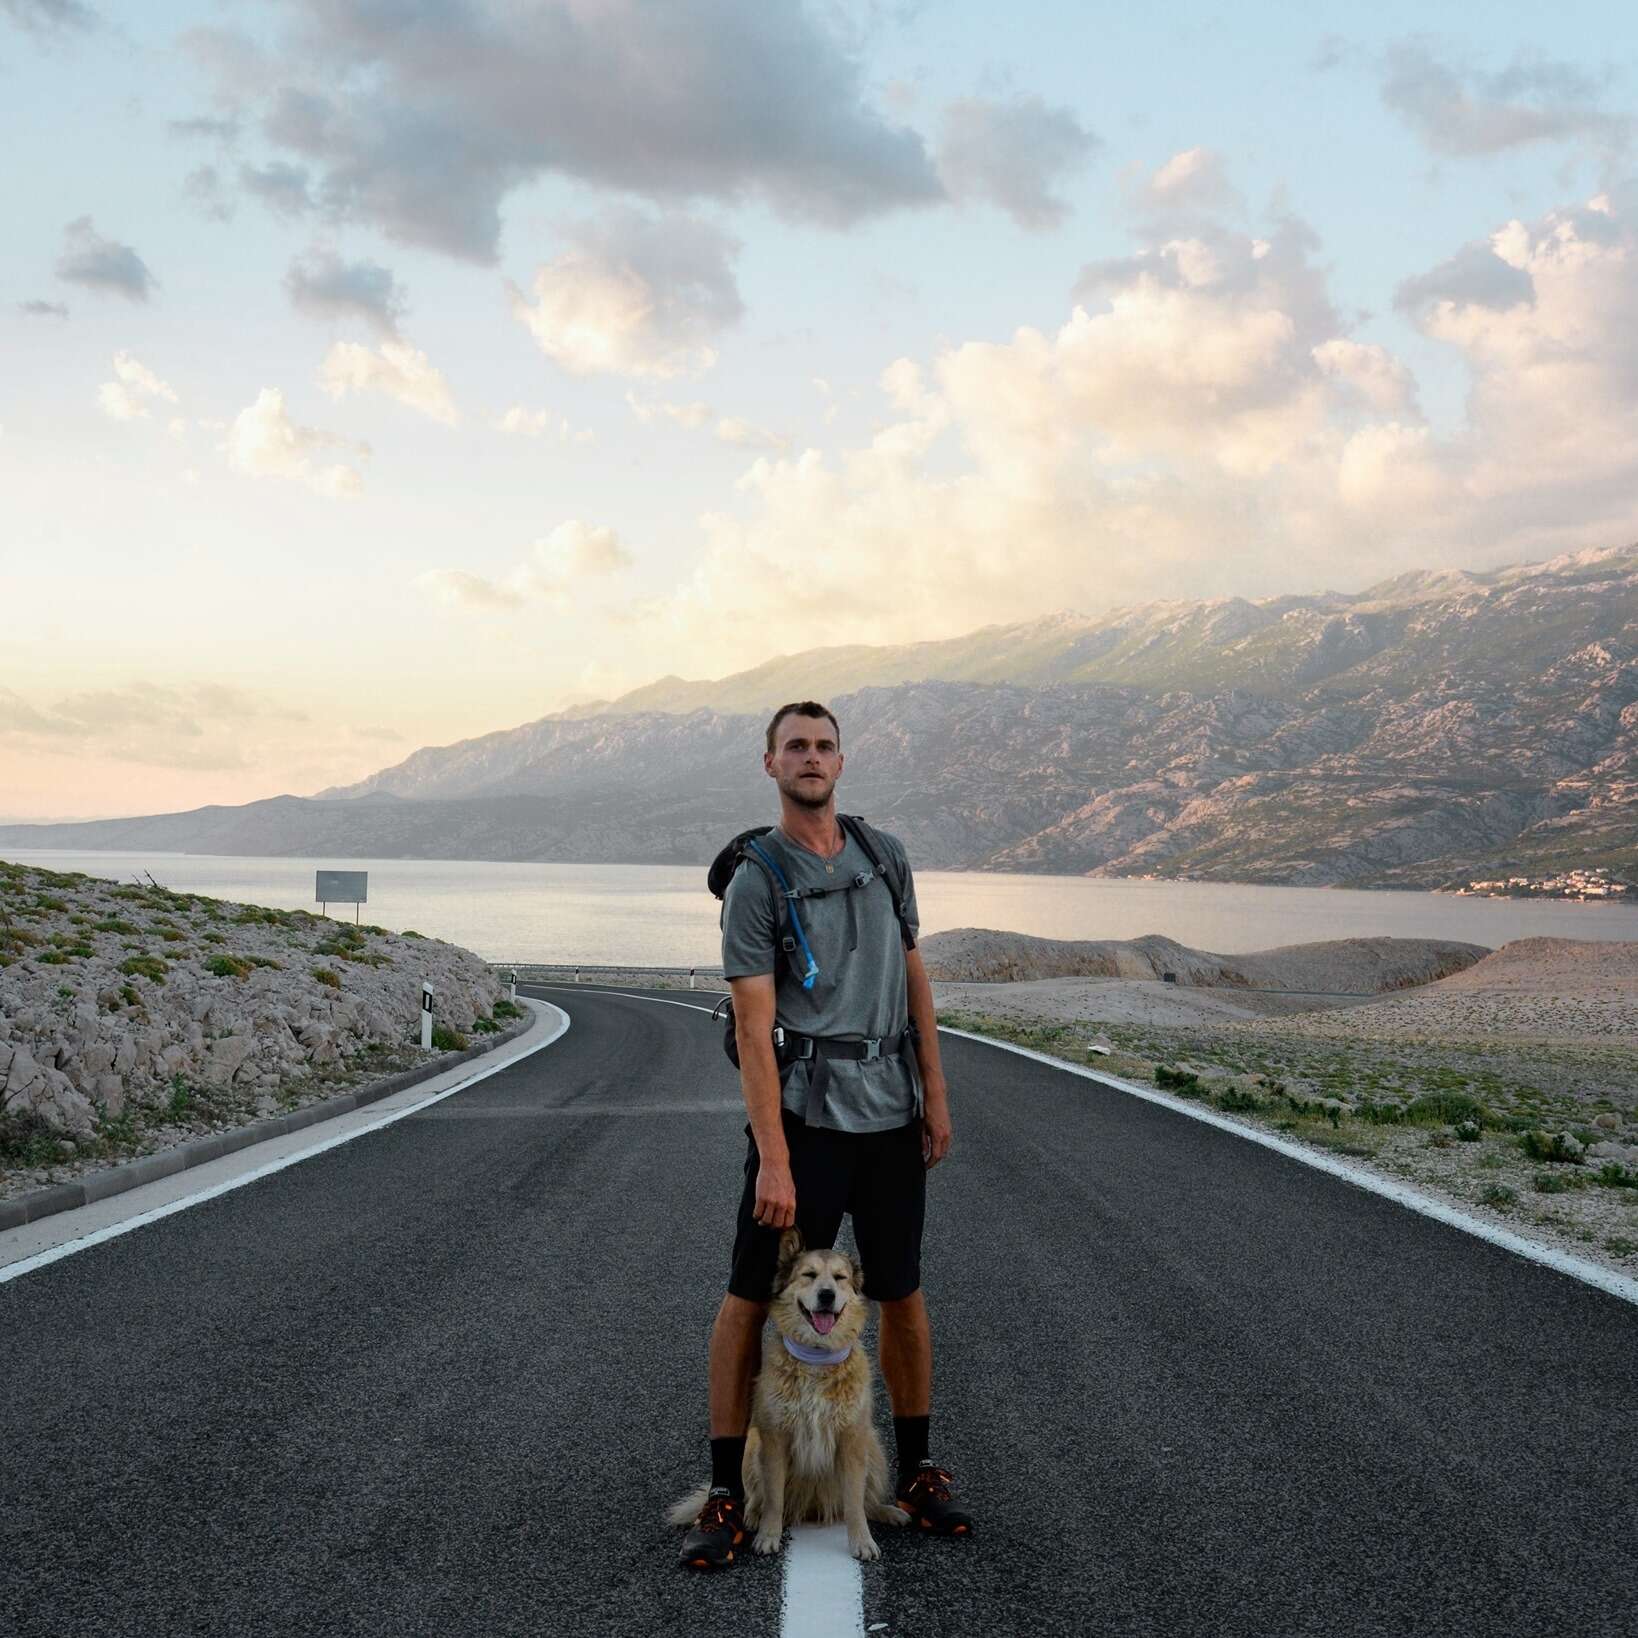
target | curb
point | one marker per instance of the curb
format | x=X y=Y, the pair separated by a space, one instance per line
x=132 y=1174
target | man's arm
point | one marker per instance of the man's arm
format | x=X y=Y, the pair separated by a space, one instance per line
x=759 y=1082
x=935 y=1101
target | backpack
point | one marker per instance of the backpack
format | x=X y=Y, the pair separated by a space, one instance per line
x=791 y=950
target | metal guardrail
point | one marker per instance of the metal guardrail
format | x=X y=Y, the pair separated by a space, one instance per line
x=582 y=972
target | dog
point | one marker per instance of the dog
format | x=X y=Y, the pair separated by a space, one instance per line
x=812 y=1454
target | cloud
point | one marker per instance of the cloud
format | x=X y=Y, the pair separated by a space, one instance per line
x=1013 y=155
x=224 y=131
x=102 y=264
x=1474 y=276
x=1461 y=111
x=420 y=123
x=323 y=286
x=135 y=387
x=50 y=16
x=204 y=190
x=1192 y=181
x=281 y=187
x=263 y=442
x=1379 y=378
x=519 y=422
x=731 y=429
x=399 y=370
x=558 y=565
x=42 y=309
x=634 y=295
x=202 y=726
x=691 y=415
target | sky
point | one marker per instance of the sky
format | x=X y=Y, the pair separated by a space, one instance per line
x=379 y=373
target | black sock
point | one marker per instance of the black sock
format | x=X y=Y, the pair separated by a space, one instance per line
x=911 y=1433
x=727 y=1466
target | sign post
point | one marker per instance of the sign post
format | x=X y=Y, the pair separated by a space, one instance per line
x=511 y=986
x=426 y=1016
x=342 y=887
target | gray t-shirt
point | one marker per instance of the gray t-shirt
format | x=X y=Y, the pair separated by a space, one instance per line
x=860 y=993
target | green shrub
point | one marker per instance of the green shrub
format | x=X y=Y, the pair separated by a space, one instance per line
x=1468 y=1131
x=54 y=958
x=507 y=1009
x=485 y=1026
x=43 y=903
x=180 y=1098
x=1498 y=1194
x=226 y=966
x=445 y=1039
x=1184 y=1082
x=143 y=966
x=1540 y=1145
x=1555 y=1183
x=130 y=996
x=265 y=961
x=1613 y=1175
x=1238 y=1099
x=114 y=925
x=1619 y=1245
x=325 y=976
x=407 y=933
x=213 y=938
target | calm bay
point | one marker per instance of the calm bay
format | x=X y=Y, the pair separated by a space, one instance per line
x=661 y=915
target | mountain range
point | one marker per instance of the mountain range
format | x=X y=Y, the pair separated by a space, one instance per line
x=1431 y=728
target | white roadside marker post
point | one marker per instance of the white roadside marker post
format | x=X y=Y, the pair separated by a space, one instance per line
x=511 y=987
x=690 y=978
x=426 y=1016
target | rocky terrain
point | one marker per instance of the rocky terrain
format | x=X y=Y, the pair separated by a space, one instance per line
x=132 y=1017
x=1508 y=1088
x=1431 y=729
x=1342 y=967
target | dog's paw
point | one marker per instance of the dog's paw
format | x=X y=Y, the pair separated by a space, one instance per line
x=887 y=1513
x=863 y=1546
x=767 y=1541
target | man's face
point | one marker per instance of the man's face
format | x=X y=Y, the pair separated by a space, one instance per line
x=806 y=761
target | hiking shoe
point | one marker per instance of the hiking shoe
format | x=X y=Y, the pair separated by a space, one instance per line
x=718 y=1530
x=926 y=1497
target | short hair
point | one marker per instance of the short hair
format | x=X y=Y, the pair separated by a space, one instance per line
x=802 y=708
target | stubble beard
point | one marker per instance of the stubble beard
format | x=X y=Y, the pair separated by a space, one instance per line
x=806 y=795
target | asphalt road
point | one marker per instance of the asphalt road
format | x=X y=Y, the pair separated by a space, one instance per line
x=441 y=1380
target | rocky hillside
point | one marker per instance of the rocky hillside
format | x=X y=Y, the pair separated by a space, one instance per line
x=1432 y=729
x=1347 y=966
x=131 y=1016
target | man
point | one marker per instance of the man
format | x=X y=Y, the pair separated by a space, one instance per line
x=840 y=1130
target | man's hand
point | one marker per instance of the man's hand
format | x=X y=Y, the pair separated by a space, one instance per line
x=775 y=1206
x=936 y=1132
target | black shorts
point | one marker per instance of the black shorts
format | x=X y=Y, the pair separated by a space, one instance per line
x=877 y=1178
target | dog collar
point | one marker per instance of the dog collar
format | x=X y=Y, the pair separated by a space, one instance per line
x=815 y=1356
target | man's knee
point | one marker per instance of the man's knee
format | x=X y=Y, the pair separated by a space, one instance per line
x=741 y=1316
x=896 y=1310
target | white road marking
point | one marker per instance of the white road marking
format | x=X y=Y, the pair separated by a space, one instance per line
x=824 y=1591
x=27 y=1265
x=1617 y=1285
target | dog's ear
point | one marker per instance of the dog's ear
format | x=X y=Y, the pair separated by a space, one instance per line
x=858 y=1276
x=790 y=1248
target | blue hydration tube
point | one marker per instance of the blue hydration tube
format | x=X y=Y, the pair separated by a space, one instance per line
x=812 y=970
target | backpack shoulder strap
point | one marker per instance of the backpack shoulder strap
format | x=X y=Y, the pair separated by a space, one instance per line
x=881 y=857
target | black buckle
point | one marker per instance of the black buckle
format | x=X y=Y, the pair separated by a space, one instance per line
x=873 y=1050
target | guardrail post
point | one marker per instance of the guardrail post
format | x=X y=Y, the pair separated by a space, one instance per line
x=426 y=1016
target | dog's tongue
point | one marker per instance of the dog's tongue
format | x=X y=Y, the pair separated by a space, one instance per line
x=822 y=1322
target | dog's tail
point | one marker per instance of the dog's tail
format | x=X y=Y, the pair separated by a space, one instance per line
x=686 y=1508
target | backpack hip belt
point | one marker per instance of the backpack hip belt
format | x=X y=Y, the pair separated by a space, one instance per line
x=793 y=1048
